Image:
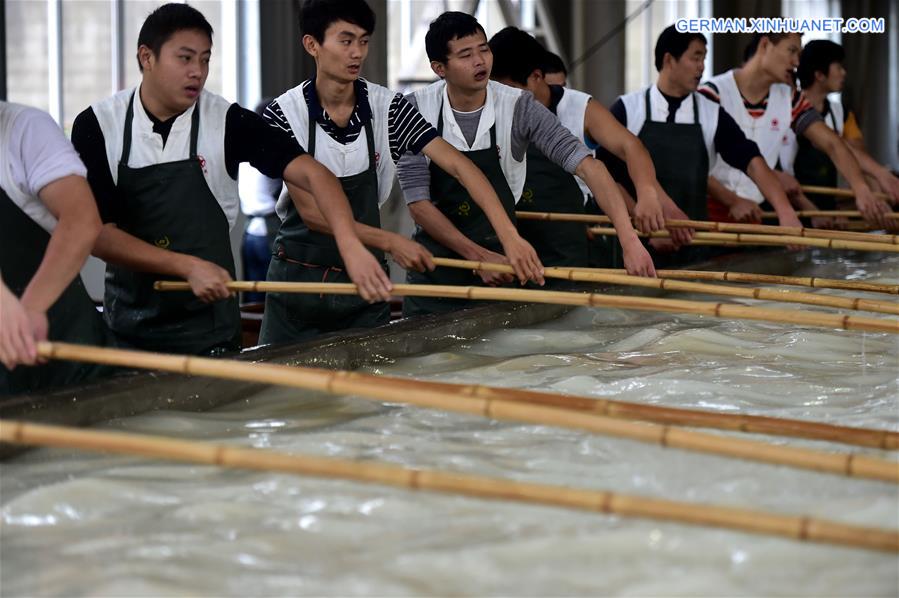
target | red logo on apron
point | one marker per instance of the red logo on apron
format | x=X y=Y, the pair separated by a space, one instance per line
x=775 y=124
x=202 y=164
x=377 y=158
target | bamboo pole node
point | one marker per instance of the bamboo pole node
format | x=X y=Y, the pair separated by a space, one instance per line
x=541 y=409
x=801 y=527
x=717 y=238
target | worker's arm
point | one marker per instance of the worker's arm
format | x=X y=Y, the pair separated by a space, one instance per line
x=407 y=253
x=605 y=191
x=520 y=254
x=69 y=200
x=438 y=226
x=874 y=210
x=19 y=331
x=605 y=129
x=773 y=191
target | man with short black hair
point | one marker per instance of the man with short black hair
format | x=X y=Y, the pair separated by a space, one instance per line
x=554 y=71
x=517 y=57
x=762 y=99
x=359 y=130
x=685 y=133
x=493 y=124
x=821 y=72
x=162 y=160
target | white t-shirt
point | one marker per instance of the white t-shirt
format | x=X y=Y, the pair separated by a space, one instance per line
x=35 y=153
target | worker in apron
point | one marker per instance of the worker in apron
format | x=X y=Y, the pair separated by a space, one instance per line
x=686 y=133
x=163 y=160
x=360 y=131
x=498 y=122
x=518 y=60
x=762 y=99
x=43 y=245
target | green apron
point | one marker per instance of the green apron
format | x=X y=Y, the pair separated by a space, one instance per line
x=73 y=318
x=814 y=167
x=681 y=161
x=549 y=188
x=454 y=201
x=170 y=205
x=305 y=255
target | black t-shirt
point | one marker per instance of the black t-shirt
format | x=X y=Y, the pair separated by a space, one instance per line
x=248 y=138
x=730 y=141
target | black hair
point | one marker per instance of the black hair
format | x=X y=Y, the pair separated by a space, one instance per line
x=444 y=29
x=317 y=15
x=753 y=45
x=166 y=21
x=516 y=54
x=671 y=41
x=553 y=63
x=816 y=57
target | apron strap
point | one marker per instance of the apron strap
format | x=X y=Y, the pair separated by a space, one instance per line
x=692 y=97
x=648 y=107
x=129 y=117
x=370 y=139
x=194 y=129
x=310 y=143
x=126 y=139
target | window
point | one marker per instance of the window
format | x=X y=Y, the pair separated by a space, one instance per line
x=90 y=48
x=643 y=30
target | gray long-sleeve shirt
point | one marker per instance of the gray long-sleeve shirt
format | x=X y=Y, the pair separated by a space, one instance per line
x=532 y=122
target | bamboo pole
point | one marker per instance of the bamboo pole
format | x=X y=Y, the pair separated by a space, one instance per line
x=802 y=528
x=837 y=192
x=853 y=303
x=704 y=308
x=749 y=424
x=828 y=214
x=380 y=389
x=725 y=227
x=751 y=239
x=747 y=277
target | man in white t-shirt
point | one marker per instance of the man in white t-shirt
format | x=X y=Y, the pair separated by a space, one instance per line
x=48 y=225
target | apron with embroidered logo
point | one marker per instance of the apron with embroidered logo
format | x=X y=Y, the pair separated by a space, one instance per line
x=305 y=255
x=171 y=206
x=454 y=201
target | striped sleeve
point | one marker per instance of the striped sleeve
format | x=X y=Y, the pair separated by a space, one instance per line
x=407 y=128
x=274 y=116
x=803 y=113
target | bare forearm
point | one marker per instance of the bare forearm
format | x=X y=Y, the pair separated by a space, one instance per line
x=312 y=177
x=609 y=200
x=639 y=165
x=828 y=142
x=768 y=184
x=433 y=222
x=69 y=199
x=117 y=247
x=721 y=194
x=308 y=208
x=868 y=164
x=70 y=244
